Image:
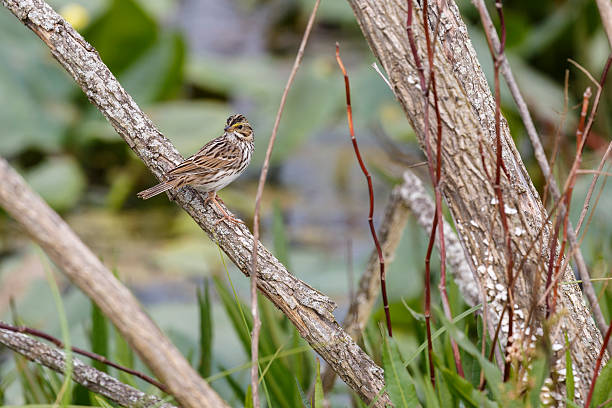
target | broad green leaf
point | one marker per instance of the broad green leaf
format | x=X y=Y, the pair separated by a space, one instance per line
x=491 y=372
x=60 y=182
x=464 y=390
x=399 y=384
x=122 y=34
x=158 y=74
x=603 y=391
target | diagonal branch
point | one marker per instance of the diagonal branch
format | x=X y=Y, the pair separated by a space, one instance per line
x=87 y=272
x=309 y=310
x=544 y=166
x=90 y=378
x=467 y=111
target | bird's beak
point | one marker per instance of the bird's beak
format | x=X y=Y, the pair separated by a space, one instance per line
x=227 y=128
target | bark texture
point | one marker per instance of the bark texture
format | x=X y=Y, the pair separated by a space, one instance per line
x=309 y=310
x=467 y=110
x=90 y=378
x=87 y=272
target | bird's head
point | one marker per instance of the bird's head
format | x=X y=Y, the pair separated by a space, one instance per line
x=240 y=127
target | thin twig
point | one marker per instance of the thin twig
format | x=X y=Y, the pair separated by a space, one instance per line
x=435 y=178
x=59 y=344
x=420 y=71
x=89 y=377
x=381 y=259
x=587 y=200
x=497 y=50
x=260 y=188
x=544 y=166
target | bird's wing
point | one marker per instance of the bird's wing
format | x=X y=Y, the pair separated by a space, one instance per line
x=213 y=156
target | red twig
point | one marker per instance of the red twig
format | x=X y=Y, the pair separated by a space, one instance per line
x=497 y=62
x=381 y=260
x=260 y=187
x=423 y=84
x=59 y=344
x=602 y=350
x=567 y=199
x=435 y=178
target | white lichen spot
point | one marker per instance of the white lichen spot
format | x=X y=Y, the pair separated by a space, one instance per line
x=556 y=347
x=494 y=201
x=491 y=273
x=509 y=210
x=499 y=287
x=474 y=224
x=519 y=231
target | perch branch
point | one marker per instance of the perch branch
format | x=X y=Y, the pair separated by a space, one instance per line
x=309 y=310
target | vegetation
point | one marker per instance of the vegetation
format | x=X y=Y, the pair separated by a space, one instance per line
x=189 y=71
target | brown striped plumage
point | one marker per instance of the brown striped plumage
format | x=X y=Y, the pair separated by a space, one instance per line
x=215 y=165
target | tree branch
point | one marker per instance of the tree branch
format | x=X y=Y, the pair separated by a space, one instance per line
x=87 y=272
x=90 y=378
x=309 y=310
x=467 y=110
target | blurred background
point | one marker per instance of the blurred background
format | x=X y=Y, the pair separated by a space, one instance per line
x=190 y=64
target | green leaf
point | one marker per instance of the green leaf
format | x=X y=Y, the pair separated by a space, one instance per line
x=319 y=398
x=399 y=384
x=35 y=109
x=232 y=308
x=206 y=331
x=122 y=34
x=281 y=242
x=464 y=390
x=158 y=74
x=491 y=372
x=60 y=182
x=189 y=124
x=603 y=391
x=98 y=336
x=540 y=368
x=305 y=402
x=234 y=385
x=248 y=400
x=569 y=372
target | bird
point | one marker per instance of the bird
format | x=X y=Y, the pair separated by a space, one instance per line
x=214 y=166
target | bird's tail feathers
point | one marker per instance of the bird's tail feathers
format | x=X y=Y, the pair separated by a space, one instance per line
x=155 y=190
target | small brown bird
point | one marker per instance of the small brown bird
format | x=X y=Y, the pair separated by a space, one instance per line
x=214 y=166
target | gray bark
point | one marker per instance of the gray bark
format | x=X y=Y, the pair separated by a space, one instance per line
x=467 y=109
x=309 y=310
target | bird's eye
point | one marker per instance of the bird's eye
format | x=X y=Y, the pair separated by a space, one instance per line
x=239 y=126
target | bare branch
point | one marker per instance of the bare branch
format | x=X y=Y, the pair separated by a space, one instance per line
x=309 y=310
x=468 y=120
x=90 y=378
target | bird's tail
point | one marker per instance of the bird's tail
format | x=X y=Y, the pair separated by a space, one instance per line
x=155 y=190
